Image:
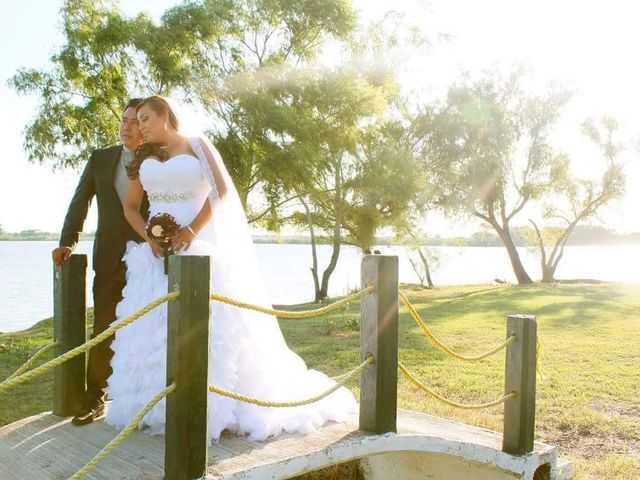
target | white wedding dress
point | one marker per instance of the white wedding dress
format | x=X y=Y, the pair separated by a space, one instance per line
x=247 y=351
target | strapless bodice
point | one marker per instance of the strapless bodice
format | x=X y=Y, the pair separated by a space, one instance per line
x=176 y=186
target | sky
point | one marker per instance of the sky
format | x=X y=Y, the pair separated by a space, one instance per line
x=587 y=46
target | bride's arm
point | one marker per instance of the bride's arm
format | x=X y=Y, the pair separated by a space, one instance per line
x=182 y=240
x=131 y=207
x=203 y=217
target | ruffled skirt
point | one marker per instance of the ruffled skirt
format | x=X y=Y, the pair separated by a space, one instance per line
x=247 y=354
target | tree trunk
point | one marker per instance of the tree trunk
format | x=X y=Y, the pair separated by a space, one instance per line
x=333 y=262
x=417 y=271
x=324 y=289
x=550 y=264
x=521 y=274
x=314 y=253
x=548 y=274
x=427 y=270
x=547 y=271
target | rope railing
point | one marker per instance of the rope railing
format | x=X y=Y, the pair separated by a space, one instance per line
x=26 y=365
x=441 y=346
x=74 y=352
x=123 y=434
x=379 y=337
x=296 y=403
x=446 y=401
x=294 y=315
x=539 y=371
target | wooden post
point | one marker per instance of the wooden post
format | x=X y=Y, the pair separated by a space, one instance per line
x=69 y=331
x=520 y=377
x=379 y=337
x=186 y=438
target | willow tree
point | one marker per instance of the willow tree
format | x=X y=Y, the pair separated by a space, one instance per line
x=281 y=122
x=241 y=78
x=576 y=200
x=322 y=140
x=349 y=186
x=199 y=51
x=491 y=139
x=82 y=95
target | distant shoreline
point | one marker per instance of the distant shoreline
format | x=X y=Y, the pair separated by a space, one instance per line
x=627 y=240
x=583 y=235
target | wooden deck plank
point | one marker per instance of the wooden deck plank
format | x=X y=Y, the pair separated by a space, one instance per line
x=49 y=447
x=54 y=448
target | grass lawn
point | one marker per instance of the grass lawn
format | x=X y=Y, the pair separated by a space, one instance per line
x=588 y=404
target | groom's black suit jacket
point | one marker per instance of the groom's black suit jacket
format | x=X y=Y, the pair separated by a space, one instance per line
x=113 y=230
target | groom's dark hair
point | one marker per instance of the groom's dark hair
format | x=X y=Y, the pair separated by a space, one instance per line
x=133 y=103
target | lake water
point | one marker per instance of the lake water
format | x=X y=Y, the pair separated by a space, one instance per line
x=26 y=271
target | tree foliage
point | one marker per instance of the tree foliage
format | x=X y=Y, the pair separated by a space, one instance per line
x=490 y=143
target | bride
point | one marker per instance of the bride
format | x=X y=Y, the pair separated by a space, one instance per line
x=186 y=178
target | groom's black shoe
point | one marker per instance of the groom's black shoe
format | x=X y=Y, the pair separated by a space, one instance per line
x=89 y=414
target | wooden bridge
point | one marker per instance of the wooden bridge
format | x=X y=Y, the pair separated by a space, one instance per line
x=47 y=446
x=390 y=443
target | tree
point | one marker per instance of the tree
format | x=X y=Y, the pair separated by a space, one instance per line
x=106 y=59
x=385 y=182
x=204 y=50
x=288 y=129
x=245 y=79
x=422 y=270
x=357 y=177
x=328 y=147
x=490 y=144
x=576 y=200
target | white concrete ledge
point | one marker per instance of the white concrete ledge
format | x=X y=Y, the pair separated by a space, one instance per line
x=424 y=445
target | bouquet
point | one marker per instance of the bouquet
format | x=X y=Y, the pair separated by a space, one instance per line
x=162 y=227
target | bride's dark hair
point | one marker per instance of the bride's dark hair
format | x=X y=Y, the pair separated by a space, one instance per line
x=144 y=151
x=160 y=105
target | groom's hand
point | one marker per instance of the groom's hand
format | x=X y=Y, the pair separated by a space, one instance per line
x=60 y=255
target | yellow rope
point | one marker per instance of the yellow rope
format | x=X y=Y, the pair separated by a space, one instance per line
x=451 y=403
x=26 y=365
x=307 y=401
x=539 y=359
x=287 y=314
x=123 y=433
x=441 y=346
x=18 y=380
x=337 y=378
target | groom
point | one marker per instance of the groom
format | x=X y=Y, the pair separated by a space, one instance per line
x=105 y=178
